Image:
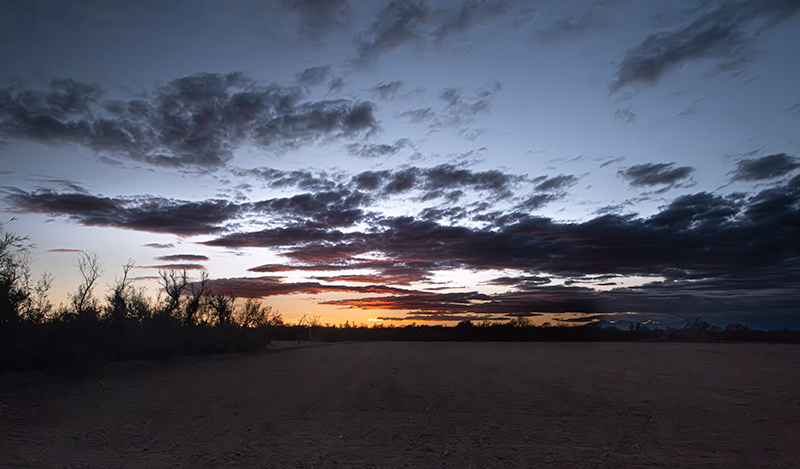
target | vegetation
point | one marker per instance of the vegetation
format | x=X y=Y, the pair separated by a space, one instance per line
x=192 y=319
x=695 y=330
x=125 y=324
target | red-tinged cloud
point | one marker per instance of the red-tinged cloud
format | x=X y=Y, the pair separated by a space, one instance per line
x=64 y=250
x=183 y=257
x=260 y=287
x=377 y=278
x=388 y=271
x=173 y=267
x=439 y=317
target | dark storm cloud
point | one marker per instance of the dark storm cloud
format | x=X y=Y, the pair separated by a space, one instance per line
x=655 y=174
x=183 y=257
x=195 y=121
x=767 y=167
x=149 y=213
x=725 y=34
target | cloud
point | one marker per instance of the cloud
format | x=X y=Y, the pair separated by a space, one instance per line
x=64 y=250
x=405 y=21
x=195 y=121
x=325 y=202
x=183 y=257
x=437 y=317
x=153 y=214
x=260 y=287
x=329 y=209
x=556 y=183
x=173 y=267
x=710 y=251
x=700 y=235
x=467 y=16
x=277 y=237
x=624 y=115
x=371 y=150
x=397 y=23
x=389 y=90
x=547 y=300
x=566 y=30
x=655 y=174
x=314 y=75
x=521 y=282
x=724 y=34
x=319 y=16
x=419 y=115
x=424 y=183
x=767 y=167
x=159 y=245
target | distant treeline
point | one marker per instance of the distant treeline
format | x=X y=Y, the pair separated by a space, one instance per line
x=186 y=318
x=520 y=329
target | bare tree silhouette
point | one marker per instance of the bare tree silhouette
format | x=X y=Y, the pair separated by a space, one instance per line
x=90 y=271
x=119 y=294
x=174 y=282
x=196 y=291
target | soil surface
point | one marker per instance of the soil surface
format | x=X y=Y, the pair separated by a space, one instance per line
x=419 y=404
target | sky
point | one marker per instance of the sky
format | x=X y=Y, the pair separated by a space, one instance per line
x=415 y=160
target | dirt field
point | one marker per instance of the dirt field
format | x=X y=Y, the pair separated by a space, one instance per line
x=565 y=405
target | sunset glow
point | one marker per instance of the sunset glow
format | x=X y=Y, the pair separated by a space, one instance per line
x=416 y=161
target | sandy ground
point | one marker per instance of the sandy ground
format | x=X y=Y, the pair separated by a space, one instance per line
x=390 y=404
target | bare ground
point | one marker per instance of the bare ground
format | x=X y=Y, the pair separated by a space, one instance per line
x=406 y=404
